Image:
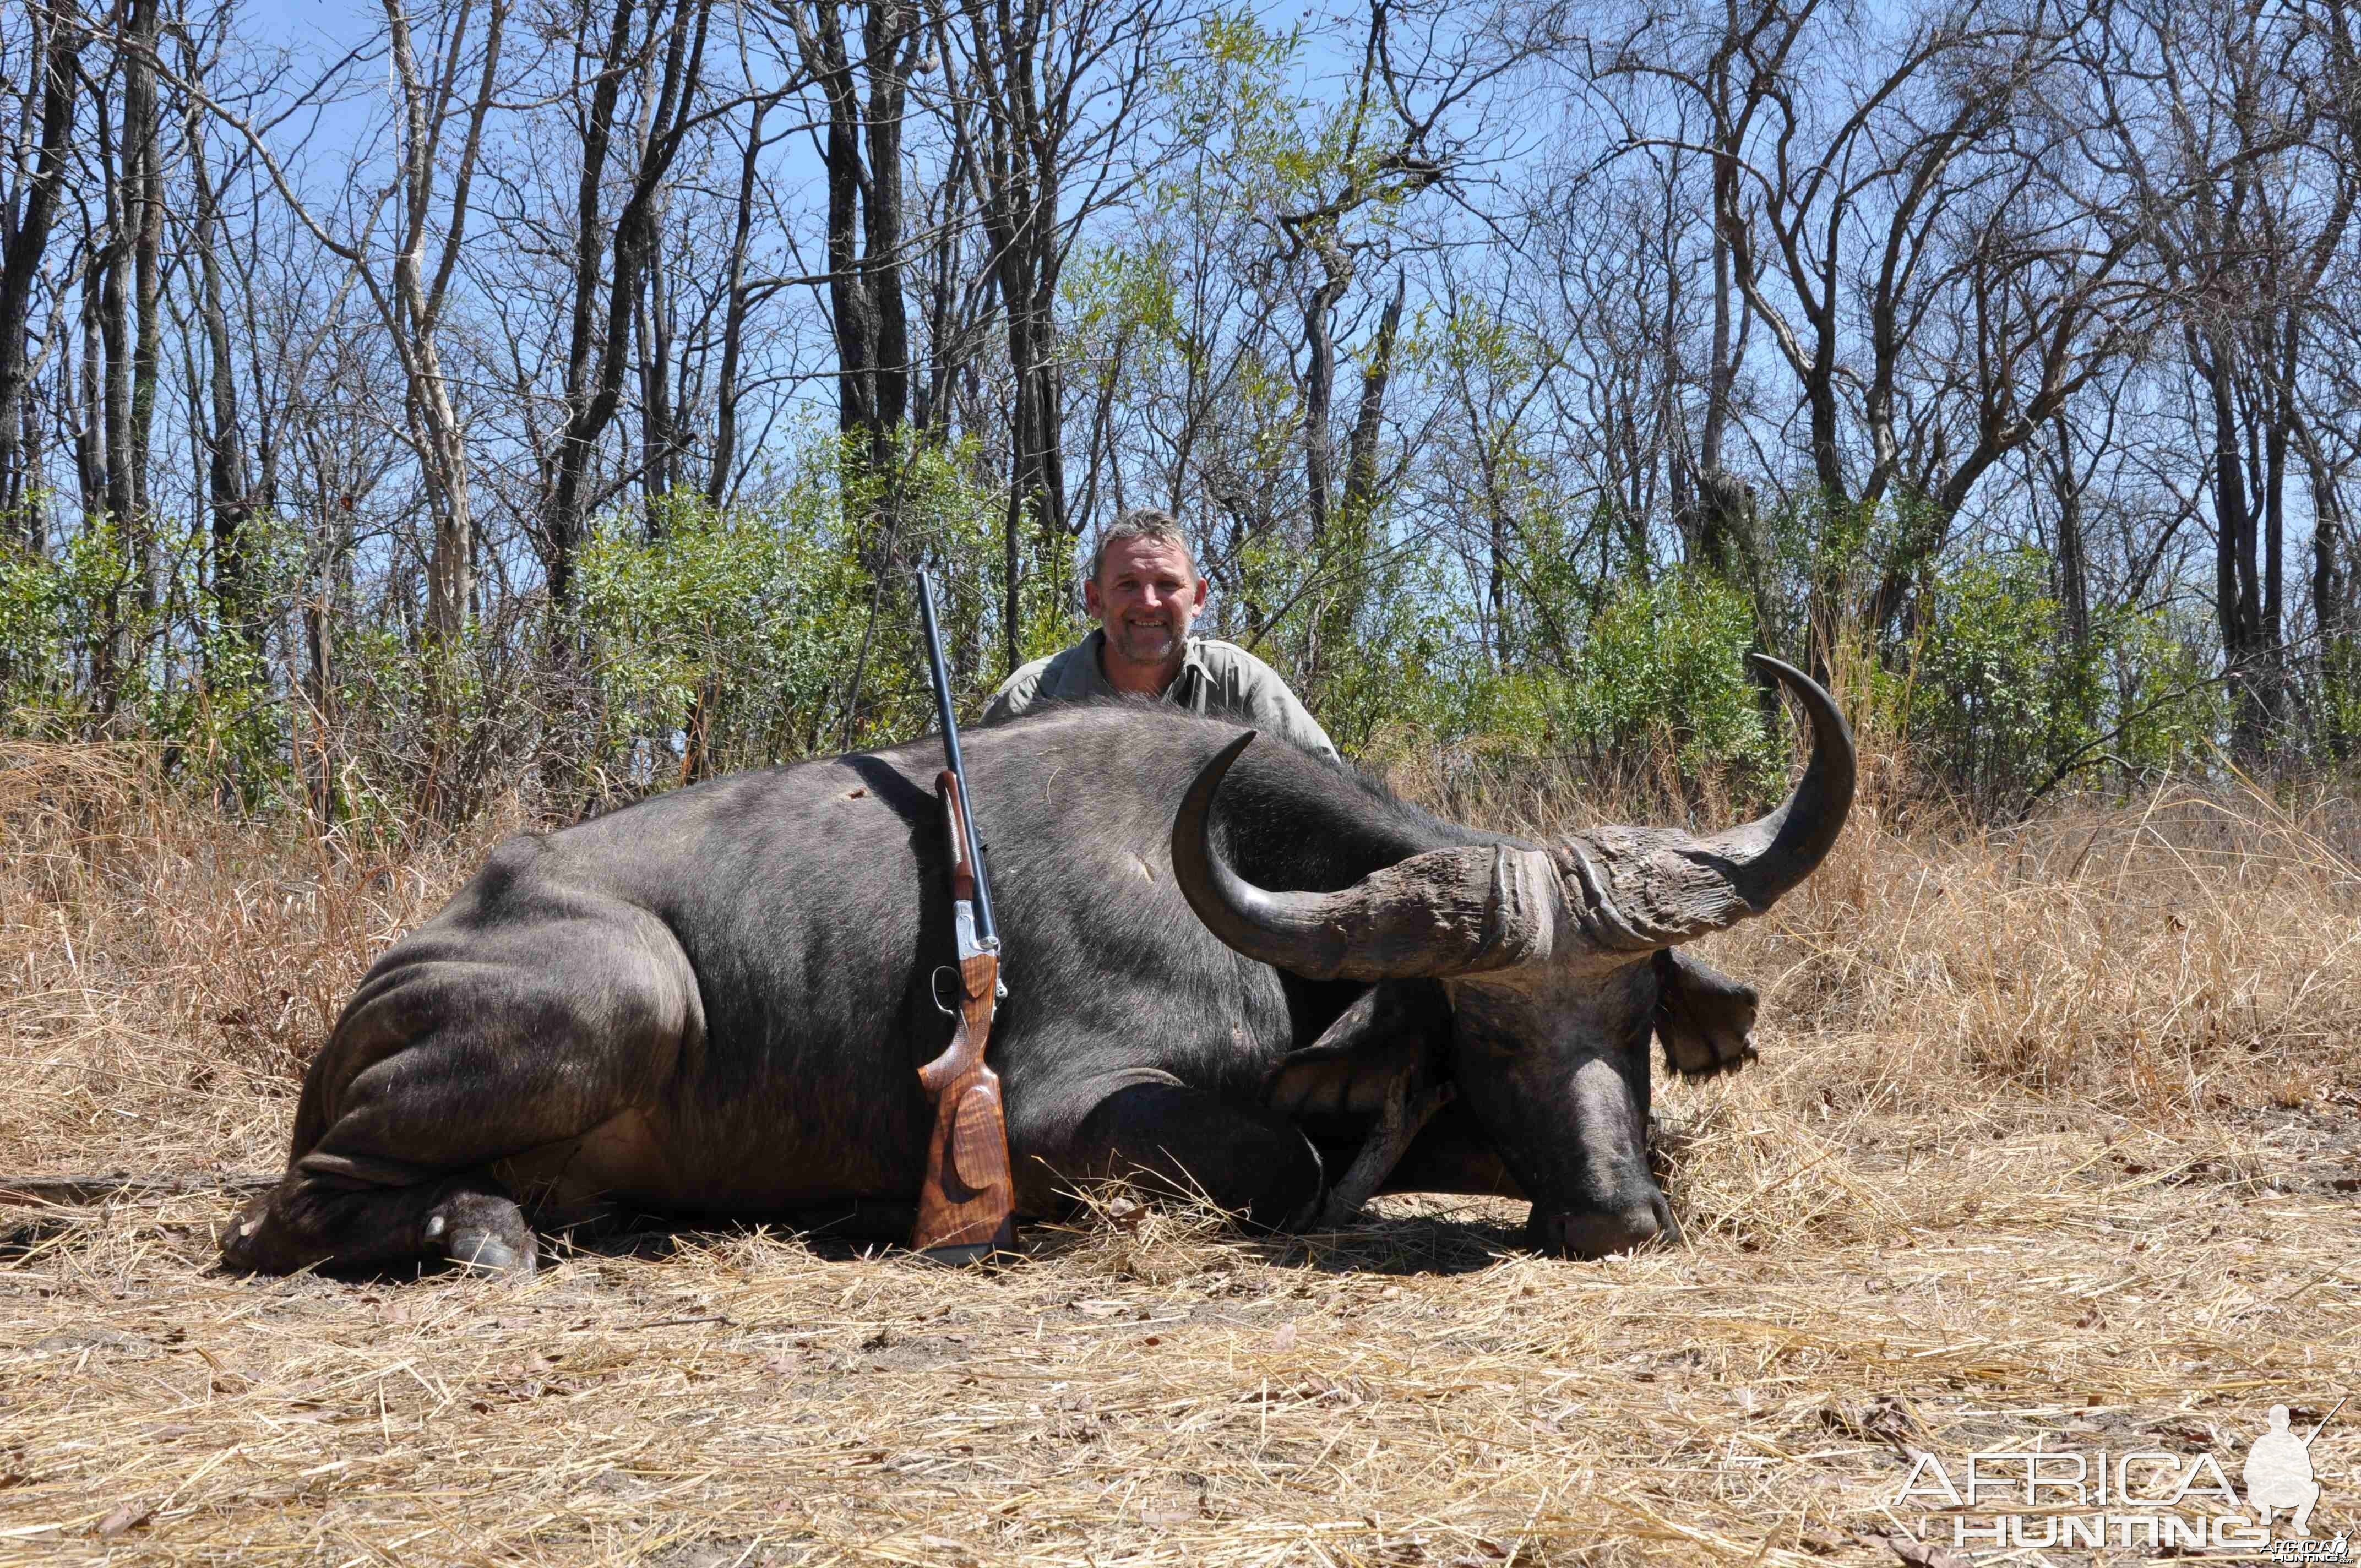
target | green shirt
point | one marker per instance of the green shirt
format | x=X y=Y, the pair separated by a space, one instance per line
x=1220 y=680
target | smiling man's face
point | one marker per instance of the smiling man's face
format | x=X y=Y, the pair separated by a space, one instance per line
x=1145 y=595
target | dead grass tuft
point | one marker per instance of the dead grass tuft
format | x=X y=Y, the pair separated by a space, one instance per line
x=2054 y=1140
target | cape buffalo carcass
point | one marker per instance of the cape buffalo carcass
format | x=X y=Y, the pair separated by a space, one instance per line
x=713 y=1002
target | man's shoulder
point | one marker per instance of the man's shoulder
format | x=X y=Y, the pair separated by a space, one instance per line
x=1251 y=690
x=1050 y=678
x=1227 y=661
x=1028 y=676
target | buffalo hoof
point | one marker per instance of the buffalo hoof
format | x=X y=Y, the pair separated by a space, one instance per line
x=243 y=1246
x=480 y=1252
x=481 y=1233
x=1601 y=1232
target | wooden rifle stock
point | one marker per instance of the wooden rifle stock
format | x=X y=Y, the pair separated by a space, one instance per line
x=967 y=1208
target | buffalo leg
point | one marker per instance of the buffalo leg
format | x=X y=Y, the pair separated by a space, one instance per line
x=452 y=1059
x=1411 y=1104
x=1188 y=1143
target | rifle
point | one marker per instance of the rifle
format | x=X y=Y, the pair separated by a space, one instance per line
x=967 y=1208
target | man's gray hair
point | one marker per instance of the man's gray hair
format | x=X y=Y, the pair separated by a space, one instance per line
x=1141 y=522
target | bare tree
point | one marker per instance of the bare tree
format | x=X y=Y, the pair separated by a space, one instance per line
x=671 y=48
x=28 y=212
x=1055 y=92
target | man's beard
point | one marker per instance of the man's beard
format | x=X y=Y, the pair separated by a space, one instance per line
x=1147 y=644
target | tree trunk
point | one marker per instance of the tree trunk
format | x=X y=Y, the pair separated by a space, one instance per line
x=2073 y=569
x=563 y=523
x=892 y=35
x=722 y=478
x=28 y=238
x=863 y=155
x=599 y=341
x=1319 y=377
x=2332 y=607
x=415 y=310
x=659 y=440
x=144 y=212
x=1345 y=558
x=90 y=435
x=2237 y=591
x=1361 y=454
x=1018 y=165
x=225 y=475
x=115 y=336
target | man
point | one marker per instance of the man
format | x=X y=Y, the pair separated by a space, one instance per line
x=1143 y=591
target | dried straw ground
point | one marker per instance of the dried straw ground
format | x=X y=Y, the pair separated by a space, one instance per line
x=2054 y=1140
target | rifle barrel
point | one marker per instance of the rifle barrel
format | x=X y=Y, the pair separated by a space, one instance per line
x=985 y=926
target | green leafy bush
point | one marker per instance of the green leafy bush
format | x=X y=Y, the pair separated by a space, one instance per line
x=1662 y=670
x=726 y=640
x=2005 y=704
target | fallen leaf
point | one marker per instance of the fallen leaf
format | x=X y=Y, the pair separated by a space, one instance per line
x=125 y=1515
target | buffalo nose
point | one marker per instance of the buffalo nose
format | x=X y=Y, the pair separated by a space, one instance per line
x=1599 y=1233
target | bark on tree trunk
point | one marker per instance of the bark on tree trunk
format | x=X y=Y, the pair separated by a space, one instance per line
x=2237 y=591
x=2073 y=570
x=2331 y=604
x=90 y=436
x=563 y=523
x=1319 y=375
x=415 y=310
x=1347 y=552
x=722 y=478
x=1018 y=170
x=115 y=333
x=658 y=440
x=144 y=211
x=225 y=475
x=20 y=260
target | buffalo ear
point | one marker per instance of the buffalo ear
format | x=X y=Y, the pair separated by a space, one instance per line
x=1704 y=1019
x=1391 y=1026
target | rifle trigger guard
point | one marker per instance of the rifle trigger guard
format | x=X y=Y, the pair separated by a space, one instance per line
x=936 y=984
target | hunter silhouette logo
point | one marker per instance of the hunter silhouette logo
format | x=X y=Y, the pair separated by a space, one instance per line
x=2278 y=1472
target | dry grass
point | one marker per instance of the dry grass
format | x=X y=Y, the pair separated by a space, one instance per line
x=2054 y=1138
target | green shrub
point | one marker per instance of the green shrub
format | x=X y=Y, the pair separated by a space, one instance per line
x=2003 y=704
x=1662 y=670
x=726 y=640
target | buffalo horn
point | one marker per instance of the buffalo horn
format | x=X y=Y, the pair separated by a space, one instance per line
x=1446 y=912
x=1633 y=890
